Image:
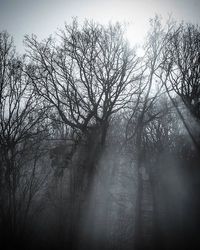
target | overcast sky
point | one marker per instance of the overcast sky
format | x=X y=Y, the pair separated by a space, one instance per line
x=43 y=17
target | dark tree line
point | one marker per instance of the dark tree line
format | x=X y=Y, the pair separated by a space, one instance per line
x=81 y=116
x=22 y=128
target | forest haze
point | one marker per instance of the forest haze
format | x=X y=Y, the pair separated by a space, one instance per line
x=100 y=144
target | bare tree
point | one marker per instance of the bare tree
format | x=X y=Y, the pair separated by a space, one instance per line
x=183 y=49
x=21 y=129
x=143 y=113
x=182 y=70
x=86 y=75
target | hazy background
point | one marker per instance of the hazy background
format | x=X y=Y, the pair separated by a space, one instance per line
x=99 y=149
x=43 y=17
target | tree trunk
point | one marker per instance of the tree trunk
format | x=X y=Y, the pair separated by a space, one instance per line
x=84 y=166
x=144 y=202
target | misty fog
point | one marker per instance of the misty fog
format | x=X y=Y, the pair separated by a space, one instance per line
x=100 y=138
